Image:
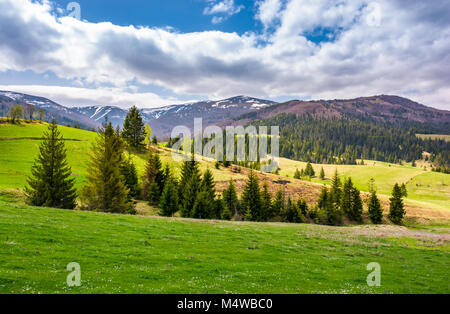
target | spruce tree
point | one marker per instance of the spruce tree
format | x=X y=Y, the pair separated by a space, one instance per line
x=336 y=189
x=346 y=197
x=129 y=172
x=50 y=184
x=297 y=174
x=202 y=206
x=133 y=129
x=309 y=170
x=190 y=191
x=356 y=210
x=396 y=208
x=220 y=212
x=404 y=190
x=266 y=202
x=169 y=199
x=322 y=174
x=375 y=211
x=105 y=189
x=328 y=212
x=303 y=207
x=208 y=186
x=251 y=198
x=153 y=178
x=278 y=203
x=230 y=199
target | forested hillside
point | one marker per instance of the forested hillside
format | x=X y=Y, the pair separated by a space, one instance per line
x=343 y=140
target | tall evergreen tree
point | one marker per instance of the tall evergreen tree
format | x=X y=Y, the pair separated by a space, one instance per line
x=329 y=213
x=153 y=178
x=251 y=198
x=208 y=186
x=50 y=183
x=346 y=197
x=190 y=191
x=404 y=190
x=169 y=199
x=230 y=199
x=266 y=202
x=129 y=172
x=322 y=174
x=396 y=208
x=336 y=189
x=356 y=210
x=309 y=170
x=375 y=211
x=133 y=129
x=303 y=207
x=105 y=189
x=297 y=174
x=278 y=203
x=202 y=206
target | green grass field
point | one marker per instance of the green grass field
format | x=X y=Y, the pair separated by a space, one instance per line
x=126 y=254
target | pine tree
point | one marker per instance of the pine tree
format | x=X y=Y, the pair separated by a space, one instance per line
x=187 y=168
x=329 y=213
x=169 y=199
x=230 y=199
x=322 y=174
x=251 y=198
x=297 y=174
x=303 y=207
x=190 y=190
x=346 y=197
x=309 y=170
x=129 y=172
x=202 y=206
x=50 y=184
x=336 y=189
x=133 y=129
x=153 y=178
x=220 y=212
x=266 y=202
x=375 y=211
x=396 y=208
x=278 y=203
x=105 y=189
x=356 y=210
x=208 y=186
x=404 y=190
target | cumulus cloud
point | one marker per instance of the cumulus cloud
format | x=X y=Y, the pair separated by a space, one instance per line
x=224 y=9
x=388 y=46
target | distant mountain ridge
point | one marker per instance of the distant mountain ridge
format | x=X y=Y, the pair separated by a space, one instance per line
x=382 y=108
x=62 y=114
x=162 y=120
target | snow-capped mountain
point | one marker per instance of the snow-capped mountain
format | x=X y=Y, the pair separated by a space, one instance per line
x=162 y=120
x=62 y=115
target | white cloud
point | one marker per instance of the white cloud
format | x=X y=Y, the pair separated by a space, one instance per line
x=391 y=47
x=225 y=9
x=268 y=11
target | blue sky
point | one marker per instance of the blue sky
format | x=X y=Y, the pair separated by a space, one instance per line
x=154 y=53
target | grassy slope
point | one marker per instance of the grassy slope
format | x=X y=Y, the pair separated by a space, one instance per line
x=426 y=189
x=126 y=254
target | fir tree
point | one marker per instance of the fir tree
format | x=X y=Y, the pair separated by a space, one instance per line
x=309 y=170
x=133 y=129
x=50 y=184
x=322 y=174
x=128 y=171
x=153 y=178
x=356 y=210
x=266 y=202
x=297 y=174
x=396 y=209
x=303 y=207
x=278 y=203
x=169 y=199
x=346 y=197
x=220 y=212
x=336 y=189
x=328 y=212
x=375 y=211
x=202 y=206
x=251 y=198
x=105 y=189
x=230 y=199
x=190 y=192
x=404 y=190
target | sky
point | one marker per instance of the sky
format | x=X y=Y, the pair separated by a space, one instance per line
x=155 y=53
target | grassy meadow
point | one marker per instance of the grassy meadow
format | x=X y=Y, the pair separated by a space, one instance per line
x=133 y=254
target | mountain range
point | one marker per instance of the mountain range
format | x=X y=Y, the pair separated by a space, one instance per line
x=241 y=110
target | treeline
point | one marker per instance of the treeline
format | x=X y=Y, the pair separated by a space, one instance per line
x=27 y=112
x=344 y=140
